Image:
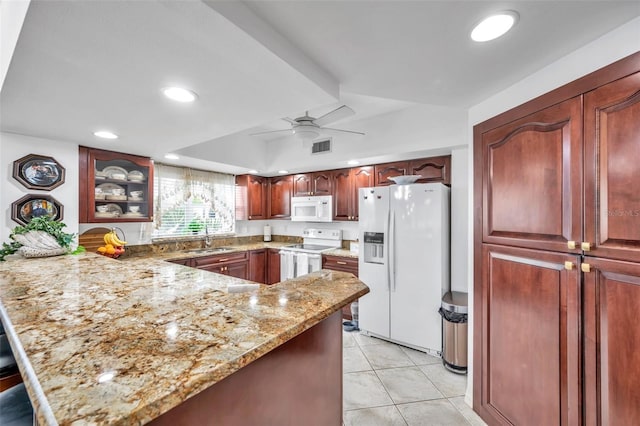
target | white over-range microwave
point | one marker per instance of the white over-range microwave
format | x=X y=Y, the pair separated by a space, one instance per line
x=312 y=209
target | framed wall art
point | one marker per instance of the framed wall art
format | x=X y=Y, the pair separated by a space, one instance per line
x=35 y=205
x=38 y=172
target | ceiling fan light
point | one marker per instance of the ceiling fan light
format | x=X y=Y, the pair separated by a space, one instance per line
x=306 y=133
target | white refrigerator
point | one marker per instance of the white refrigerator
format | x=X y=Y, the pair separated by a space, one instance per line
x=404 y=259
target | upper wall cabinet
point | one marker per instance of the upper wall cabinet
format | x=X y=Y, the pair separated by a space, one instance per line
x=318 y=183
x=115 y=187
x=346 y=183
x=251 y=197
x=280 y=190
x=432 y=169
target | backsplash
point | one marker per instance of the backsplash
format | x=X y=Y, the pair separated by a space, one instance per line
x=170 y=246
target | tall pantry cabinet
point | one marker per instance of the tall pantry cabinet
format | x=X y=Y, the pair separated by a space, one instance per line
x=557 y=255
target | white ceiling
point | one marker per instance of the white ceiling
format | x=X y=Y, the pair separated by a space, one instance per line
x=82 y=66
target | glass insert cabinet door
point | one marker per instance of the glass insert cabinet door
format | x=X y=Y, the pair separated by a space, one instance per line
x=115 y=187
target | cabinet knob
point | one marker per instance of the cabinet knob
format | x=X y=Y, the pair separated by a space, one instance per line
x=571 y=245
x=585 y=246
x=249 y=217
x=585 y=267
x=568 y=265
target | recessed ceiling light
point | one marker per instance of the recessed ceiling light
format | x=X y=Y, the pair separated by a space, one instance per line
x=283 y=172
x=353 y=162
x=171 y=157
x=179 y=94
x=104 y=134
x=494 y=26
x=253 y=172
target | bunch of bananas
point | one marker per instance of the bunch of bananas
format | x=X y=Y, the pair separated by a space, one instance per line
x=113 y=246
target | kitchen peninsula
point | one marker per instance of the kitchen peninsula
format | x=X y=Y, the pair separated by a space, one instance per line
x=100 y=341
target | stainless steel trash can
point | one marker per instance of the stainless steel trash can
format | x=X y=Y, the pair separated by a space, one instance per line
x=454 y=311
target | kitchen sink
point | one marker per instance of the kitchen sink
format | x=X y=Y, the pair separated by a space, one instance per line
x=211 y=250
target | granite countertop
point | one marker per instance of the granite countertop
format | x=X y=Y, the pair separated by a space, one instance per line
x=99 y=341
x=341 y=253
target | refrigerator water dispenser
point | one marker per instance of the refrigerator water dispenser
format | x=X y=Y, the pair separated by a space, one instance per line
x=374 y=247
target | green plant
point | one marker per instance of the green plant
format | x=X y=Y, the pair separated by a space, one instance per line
x=41 y=223
x=196 y=225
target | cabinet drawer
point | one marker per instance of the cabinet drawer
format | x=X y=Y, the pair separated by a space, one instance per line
x=339 y=263
x=200 y=262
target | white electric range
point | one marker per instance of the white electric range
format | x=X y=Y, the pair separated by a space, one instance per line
x=300 y=259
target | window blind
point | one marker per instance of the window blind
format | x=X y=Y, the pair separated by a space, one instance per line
x=192 y=202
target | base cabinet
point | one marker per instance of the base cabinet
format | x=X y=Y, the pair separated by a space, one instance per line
x=234 y=264
x=258 y=266
x=530 y=307
x=612 y=342
x=273 y=266
x=344 y=264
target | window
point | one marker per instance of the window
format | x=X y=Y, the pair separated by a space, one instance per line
x=192 y=202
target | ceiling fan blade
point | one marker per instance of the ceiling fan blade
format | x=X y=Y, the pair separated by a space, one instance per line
x=335 y=115
x=290 y=120
x=270 y=131
x=330 y=130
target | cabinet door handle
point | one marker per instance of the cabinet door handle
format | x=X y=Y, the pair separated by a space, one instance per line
x=585 y=267
x=585 y=246
x=571 y=245
x=223 y=260
x=568 y=265
x=341 y=263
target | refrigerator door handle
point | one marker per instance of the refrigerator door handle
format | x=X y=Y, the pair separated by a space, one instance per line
x=391 y=252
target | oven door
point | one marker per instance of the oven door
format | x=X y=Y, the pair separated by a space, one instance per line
x=296 y=264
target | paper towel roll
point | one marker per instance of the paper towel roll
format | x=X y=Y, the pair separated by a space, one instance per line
x=267 y=233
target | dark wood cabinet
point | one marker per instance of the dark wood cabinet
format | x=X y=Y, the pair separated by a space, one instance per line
x=306 y=184
x=612 y=172
x=346 y=183
x=532 y=179
x=384 y=171
x=557 y=255
x=116 y=183
x=280 y=192
x=273 y=266
x=251 y=197
x=344 y=264
x=342 y=194
x=612 y=342
x=432 y=169
x=531 y=308
x=233 y=264
x=258 y=266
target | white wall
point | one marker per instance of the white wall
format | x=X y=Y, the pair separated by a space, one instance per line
x=286 y=227
x=13 y=147
x=459 y=219
x=609 y=48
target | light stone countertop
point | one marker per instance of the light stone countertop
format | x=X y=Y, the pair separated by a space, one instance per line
x=100 y=341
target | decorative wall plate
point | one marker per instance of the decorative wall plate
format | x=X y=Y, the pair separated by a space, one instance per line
x=38 y=172
x=34 y=205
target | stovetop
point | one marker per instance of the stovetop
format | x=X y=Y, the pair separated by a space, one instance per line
x=311 y=248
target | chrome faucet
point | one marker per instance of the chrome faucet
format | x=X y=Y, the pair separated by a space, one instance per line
x=207 y=238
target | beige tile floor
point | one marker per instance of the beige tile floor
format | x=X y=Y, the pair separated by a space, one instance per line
x=387 y=384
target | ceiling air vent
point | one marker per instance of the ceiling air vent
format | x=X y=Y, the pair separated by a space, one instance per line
x=321 y=146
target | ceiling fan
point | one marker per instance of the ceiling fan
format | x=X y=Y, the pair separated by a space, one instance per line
x=308 y=128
